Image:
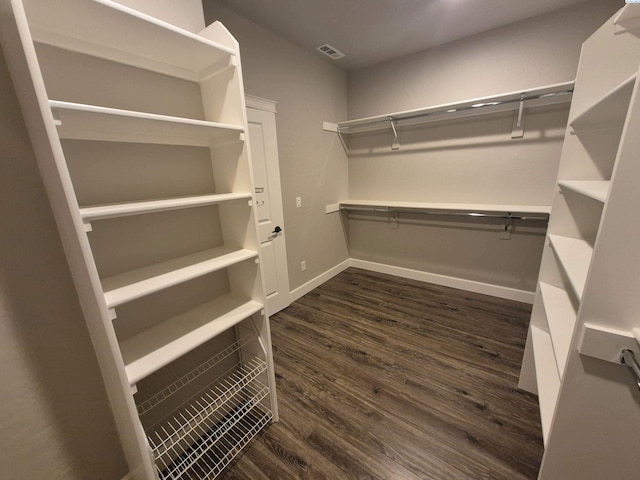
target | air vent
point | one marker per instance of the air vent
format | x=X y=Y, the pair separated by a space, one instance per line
x=330 y=52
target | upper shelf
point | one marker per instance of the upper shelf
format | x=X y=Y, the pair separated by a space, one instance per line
x=547 y=95
x=473 y=209
x=609 y=111
x=596 y=189
x=90 y=122
x=105 y=29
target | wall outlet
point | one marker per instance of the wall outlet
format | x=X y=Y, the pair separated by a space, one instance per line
x=298 y=202
x=303 y=265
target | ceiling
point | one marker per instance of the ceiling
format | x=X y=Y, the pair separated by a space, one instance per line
x=374 y=31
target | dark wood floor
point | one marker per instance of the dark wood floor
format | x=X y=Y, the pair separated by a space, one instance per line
x=387 y=378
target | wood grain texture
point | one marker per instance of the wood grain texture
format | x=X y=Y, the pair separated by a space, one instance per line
x=381 y=377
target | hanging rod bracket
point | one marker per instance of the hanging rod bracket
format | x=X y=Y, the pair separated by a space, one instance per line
x=507 y=227
x=517 y=130
x=395 y=144
x=628 y=358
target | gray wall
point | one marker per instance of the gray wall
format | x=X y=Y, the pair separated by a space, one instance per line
x=55 y=421
x=313 y=164
x=470 y=161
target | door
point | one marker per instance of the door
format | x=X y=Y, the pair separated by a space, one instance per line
x=266 y=171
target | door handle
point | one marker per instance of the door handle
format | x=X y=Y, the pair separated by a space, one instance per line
x=276 y=230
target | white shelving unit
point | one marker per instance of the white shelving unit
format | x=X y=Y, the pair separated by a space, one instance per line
x=169 y=277
x=586 y=303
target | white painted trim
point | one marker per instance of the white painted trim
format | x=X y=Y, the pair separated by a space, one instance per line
x=305 y=288
x=446 y=281
x=260 y=103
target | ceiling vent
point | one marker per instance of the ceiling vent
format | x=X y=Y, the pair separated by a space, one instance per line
x=330 y=52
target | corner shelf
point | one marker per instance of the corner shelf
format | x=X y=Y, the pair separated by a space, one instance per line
x=105 y=29
x=609 y=111
x=152 y=349
x=128 y=286
x=561 y=319
x=90 y=122
x=575 y=257
x=547 y=377
x=595 y=189
x=101 y=212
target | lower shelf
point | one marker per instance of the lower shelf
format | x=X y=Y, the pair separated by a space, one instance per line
x=203 y=435
x=547 y=377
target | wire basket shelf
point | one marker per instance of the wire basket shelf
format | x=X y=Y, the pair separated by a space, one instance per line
x=192 y=375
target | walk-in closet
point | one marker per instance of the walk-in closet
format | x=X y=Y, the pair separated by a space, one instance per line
x=319 y=240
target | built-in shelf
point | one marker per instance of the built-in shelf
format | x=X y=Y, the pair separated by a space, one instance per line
x=105 y=29
x=547 y=377
x=533 y=97
x=152 y=349
x=461 y=208
x=609 y=111
x=90 y=122
x=128 y=286
x=101 y=212
x=596 y=189
x=561 y=319
x=575 y=257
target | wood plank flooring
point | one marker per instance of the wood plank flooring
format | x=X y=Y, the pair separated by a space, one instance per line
x=386 y=378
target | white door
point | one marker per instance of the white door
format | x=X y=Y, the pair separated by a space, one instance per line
x=266 y=172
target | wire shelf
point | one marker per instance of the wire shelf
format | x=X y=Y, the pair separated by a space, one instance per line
x=214 y=454
x=192 y=375
x=182 y=438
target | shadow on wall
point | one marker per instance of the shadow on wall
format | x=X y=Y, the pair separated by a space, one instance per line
x=55 y=420
x=544 y=125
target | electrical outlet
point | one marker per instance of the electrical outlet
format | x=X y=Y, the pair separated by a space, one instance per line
x=303 y=265
x=298 y=202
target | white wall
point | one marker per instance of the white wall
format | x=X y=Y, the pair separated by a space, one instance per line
x=55 y=421
x=313 y=164
x=470 y=161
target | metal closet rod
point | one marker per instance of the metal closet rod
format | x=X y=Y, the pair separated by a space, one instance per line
x=449 y=213
x=453 y=109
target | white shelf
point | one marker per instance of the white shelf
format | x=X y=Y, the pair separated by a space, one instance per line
x=546 y=376
x=628 y=18
x=136 y=208
x=575 y=257
x=561 y=318
x=128 y=286
x=540 y=96
x=105 y=29
x=151 y=350
x=90 y=122
x=454 y=207
x=596 y=189
x=608 y=111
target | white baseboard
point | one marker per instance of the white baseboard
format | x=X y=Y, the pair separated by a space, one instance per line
x=319 y=280
x=446 y=281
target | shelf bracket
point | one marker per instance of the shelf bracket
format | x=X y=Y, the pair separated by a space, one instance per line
x=87 y=227
x=395 y=144
x=112 y=314
x=517 y=130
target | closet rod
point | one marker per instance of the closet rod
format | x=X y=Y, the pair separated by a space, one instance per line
x=448 y=213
